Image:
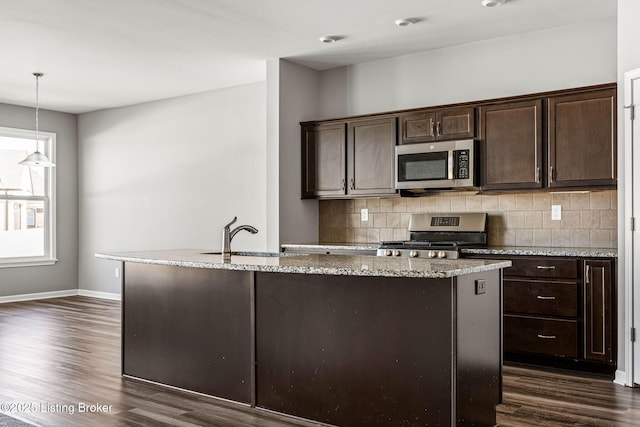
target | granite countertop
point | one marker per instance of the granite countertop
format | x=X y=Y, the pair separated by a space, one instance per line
x=349 y=265
x=333 y=246
x=491 y=250
x=545 y=251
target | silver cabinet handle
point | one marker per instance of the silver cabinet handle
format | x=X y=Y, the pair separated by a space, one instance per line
x=439 y=128
x=433 y=126
x=587 y=274
x=547 y=337
x=546 y=267
x=551 y=174
x=538 y=174
x=344 y=185
x=353 y=184
x=545 y=298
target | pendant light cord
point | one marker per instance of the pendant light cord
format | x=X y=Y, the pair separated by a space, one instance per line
x=38 y=75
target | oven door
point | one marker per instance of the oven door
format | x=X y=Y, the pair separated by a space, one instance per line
x=435 y=165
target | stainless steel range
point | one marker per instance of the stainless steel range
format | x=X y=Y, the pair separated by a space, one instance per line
x=439 y=235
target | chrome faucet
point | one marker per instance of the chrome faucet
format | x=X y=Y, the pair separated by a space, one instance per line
x=228 y=234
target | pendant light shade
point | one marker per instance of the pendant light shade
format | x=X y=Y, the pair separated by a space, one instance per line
x=37 y=158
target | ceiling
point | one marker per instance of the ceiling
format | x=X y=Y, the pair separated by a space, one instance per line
x=101 y=54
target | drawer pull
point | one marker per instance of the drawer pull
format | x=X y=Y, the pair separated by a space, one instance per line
x=547 y=337
x=546 y=267
x=545 y=298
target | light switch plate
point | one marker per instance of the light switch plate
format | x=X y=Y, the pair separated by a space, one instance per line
x=556 y=212
x=364 y=214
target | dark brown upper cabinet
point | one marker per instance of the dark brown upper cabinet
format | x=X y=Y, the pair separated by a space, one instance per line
x=371 y=157
x=511 y=148
x=323 y=160
x=566 y=140
x=343 y=160
x=582 y=139
x=437 y=125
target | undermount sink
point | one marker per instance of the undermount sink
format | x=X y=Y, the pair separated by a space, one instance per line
x=256 y=254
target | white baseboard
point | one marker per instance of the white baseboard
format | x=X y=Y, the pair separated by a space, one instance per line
x=620 y=378
x=60 y=294
x=101 y=295
x=39 y=295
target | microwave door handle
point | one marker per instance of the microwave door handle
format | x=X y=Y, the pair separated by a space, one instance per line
x=450 y=164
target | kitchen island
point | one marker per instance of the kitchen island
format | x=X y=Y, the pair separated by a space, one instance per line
x=344 y=340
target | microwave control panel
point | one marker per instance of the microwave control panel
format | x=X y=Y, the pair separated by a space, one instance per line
x=461 y=159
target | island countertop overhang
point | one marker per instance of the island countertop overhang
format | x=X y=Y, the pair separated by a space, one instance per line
x=337 y=265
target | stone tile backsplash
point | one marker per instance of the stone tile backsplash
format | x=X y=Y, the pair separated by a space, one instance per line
x=589 y=219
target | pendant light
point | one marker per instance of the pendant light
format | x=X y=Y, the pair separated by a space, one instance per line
x=37 y=158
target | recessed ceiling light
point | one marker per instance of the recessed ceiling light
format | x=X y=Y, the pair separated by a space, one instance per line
x=492 y=3
x=405 y=22
x=329 y=39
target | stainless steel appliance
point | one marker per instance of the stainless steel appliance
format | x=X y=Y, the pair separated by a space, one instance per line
x=439 y=235
x=436 y=165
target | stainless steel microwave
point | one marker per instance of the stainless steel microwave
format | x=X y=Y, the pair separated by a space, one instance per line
x=436 y=165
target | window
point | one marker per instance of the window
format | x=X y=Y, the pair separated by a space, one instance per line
x=27 y=200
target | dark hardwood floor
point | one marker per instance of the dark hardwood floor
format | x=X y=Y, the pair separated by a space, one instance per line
x=59 y=354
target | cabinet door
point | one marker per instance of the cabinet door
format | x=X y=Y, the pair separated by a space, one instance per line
x=511 y=152
x=438 y=125
x=371 y=157
x=323 y=160
x=458 y=123
x=418 y=127
x=598 y=311
x=582 y=139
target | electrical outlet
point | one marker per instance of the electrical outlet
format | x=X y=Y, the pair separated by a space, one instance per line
x=556 y=212
x=481 y=287
x=364 y=214
x=116 y=273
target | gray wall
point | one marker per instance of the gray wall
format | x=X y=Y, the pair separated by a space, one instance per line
x=297 y=101
x=63 y=275
x=170 y=174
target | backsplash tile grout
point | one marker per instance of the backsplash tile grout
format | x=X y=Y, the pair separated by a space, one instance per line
x=589 y=219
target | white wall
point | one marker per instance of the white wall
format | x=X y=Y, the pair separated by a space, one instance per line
x=63 y=275
x=628 y=59
x=170 y=174
x=571 y=56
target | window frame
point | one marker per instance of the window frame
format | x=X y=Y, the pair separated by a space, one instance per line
x=48 y=147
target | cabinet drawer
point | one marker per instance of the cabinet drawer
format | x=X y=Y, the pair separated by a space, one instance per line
x=543 y=268
x=541 y=298
x=543 y=336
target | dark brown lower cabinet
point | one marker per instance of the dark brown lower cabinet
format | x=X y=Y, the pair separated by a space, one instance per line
x=599 y=311
x=189 y=328
x=561 y=311
x=554 y=337
x=373 y=351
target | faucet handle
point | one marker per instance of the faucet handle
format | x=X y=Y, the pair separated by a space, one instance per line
x=235 y=218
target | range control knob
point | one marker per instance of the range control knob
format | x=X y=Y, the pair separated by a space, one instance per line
x=431 y=254
x=388 y=252
x=442 y=254
x=396 y=253
x=413 y=254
